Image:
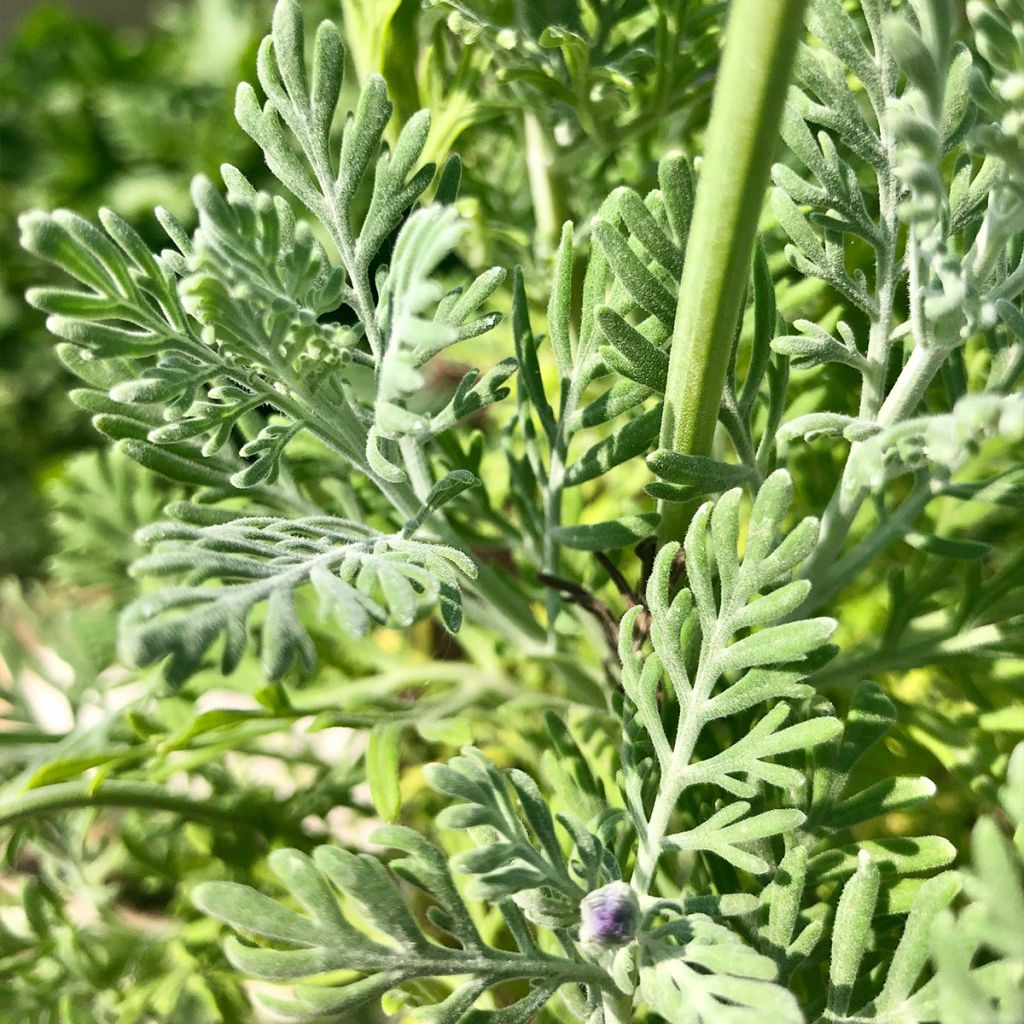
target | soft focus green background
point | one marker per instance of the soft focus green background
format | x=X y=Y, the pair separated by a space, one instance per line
x=112 y=103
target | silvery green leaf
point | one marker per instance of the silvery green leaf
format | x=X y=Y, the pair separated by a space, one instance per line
x=699 y=474
x=850 y=933
x=676 y=982
x=629 y=353
x=300 y=947
x=531 y=857
x=911 y=956
x=267 y=559
x=618 y=533
x=819 y=424
x=560 y=304
x=815 y=347
x=643 y=285
x=890 y=856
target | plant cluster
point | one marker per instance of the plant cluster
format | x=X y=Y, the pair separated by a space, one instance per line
x=670 y=656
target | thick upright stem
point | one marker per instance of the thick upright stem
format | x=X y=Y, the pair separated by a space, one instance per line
x=760 y=46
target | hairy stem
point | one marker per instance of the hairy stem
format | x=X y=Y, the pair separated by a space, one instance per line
x=761 y=41
x=838 y=518
x=673 y=779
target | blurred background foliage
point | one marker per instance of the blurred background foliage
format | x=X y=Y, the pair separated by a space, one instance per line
x=95 y=115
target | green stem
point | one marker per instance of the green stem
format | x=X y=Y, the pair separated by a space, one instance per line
x=25 y=737
x=760 y=46
x=546 y=191
x=887 y=271
x=837 y=573
x=63 y=796
x=673 y=776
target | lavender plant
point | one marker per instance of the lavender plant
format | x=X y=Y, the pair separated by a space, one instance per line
x=704 y=839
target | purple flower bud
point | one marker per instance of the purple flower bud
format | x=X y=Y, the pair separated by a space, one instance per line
x=609 y=916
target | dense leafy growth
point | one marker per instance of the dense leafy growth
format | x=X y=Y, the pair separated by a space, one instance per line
x=460 y=726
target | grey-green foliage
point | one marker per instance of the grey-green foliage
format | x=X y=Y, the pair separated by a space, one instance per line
x=871 y=715
x=720 y=650
x=606 y=347
x=709 y=975
x=277 y=370
x=360 y=575
x=875 y=173
x=737 y=652
x=326 y=939
x=99 y=505
x=801 y=905
x=517 y=857
x=206 y=362
x=978 y=952
x=852 y=938
x=594 y=86
x=998 y=27
x=949 y=964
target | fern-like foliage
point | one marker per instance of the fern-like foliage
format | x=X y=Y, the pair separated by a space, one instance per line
x=949 y=237
x=516 y=859
x=696 y=846
x=802 y=903
x=360 y=575
x=708 y=974
x=208 y=361
x=591 y=87
x=328 y=941
x=612 y=361
x=714 y=673
x=978 y=953
x=946 y=965
x=620 y=285
x=720 y=651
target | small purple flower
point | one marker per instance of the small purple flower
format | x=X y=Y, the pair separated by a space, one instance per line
x=609 y=915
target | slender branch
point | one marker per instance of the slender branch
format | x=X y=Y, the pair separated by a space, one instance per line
x=848 y=497
x=888 y=275
x=761 y=41
x=64 y=796
x=896 y=525
x=546 y=191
